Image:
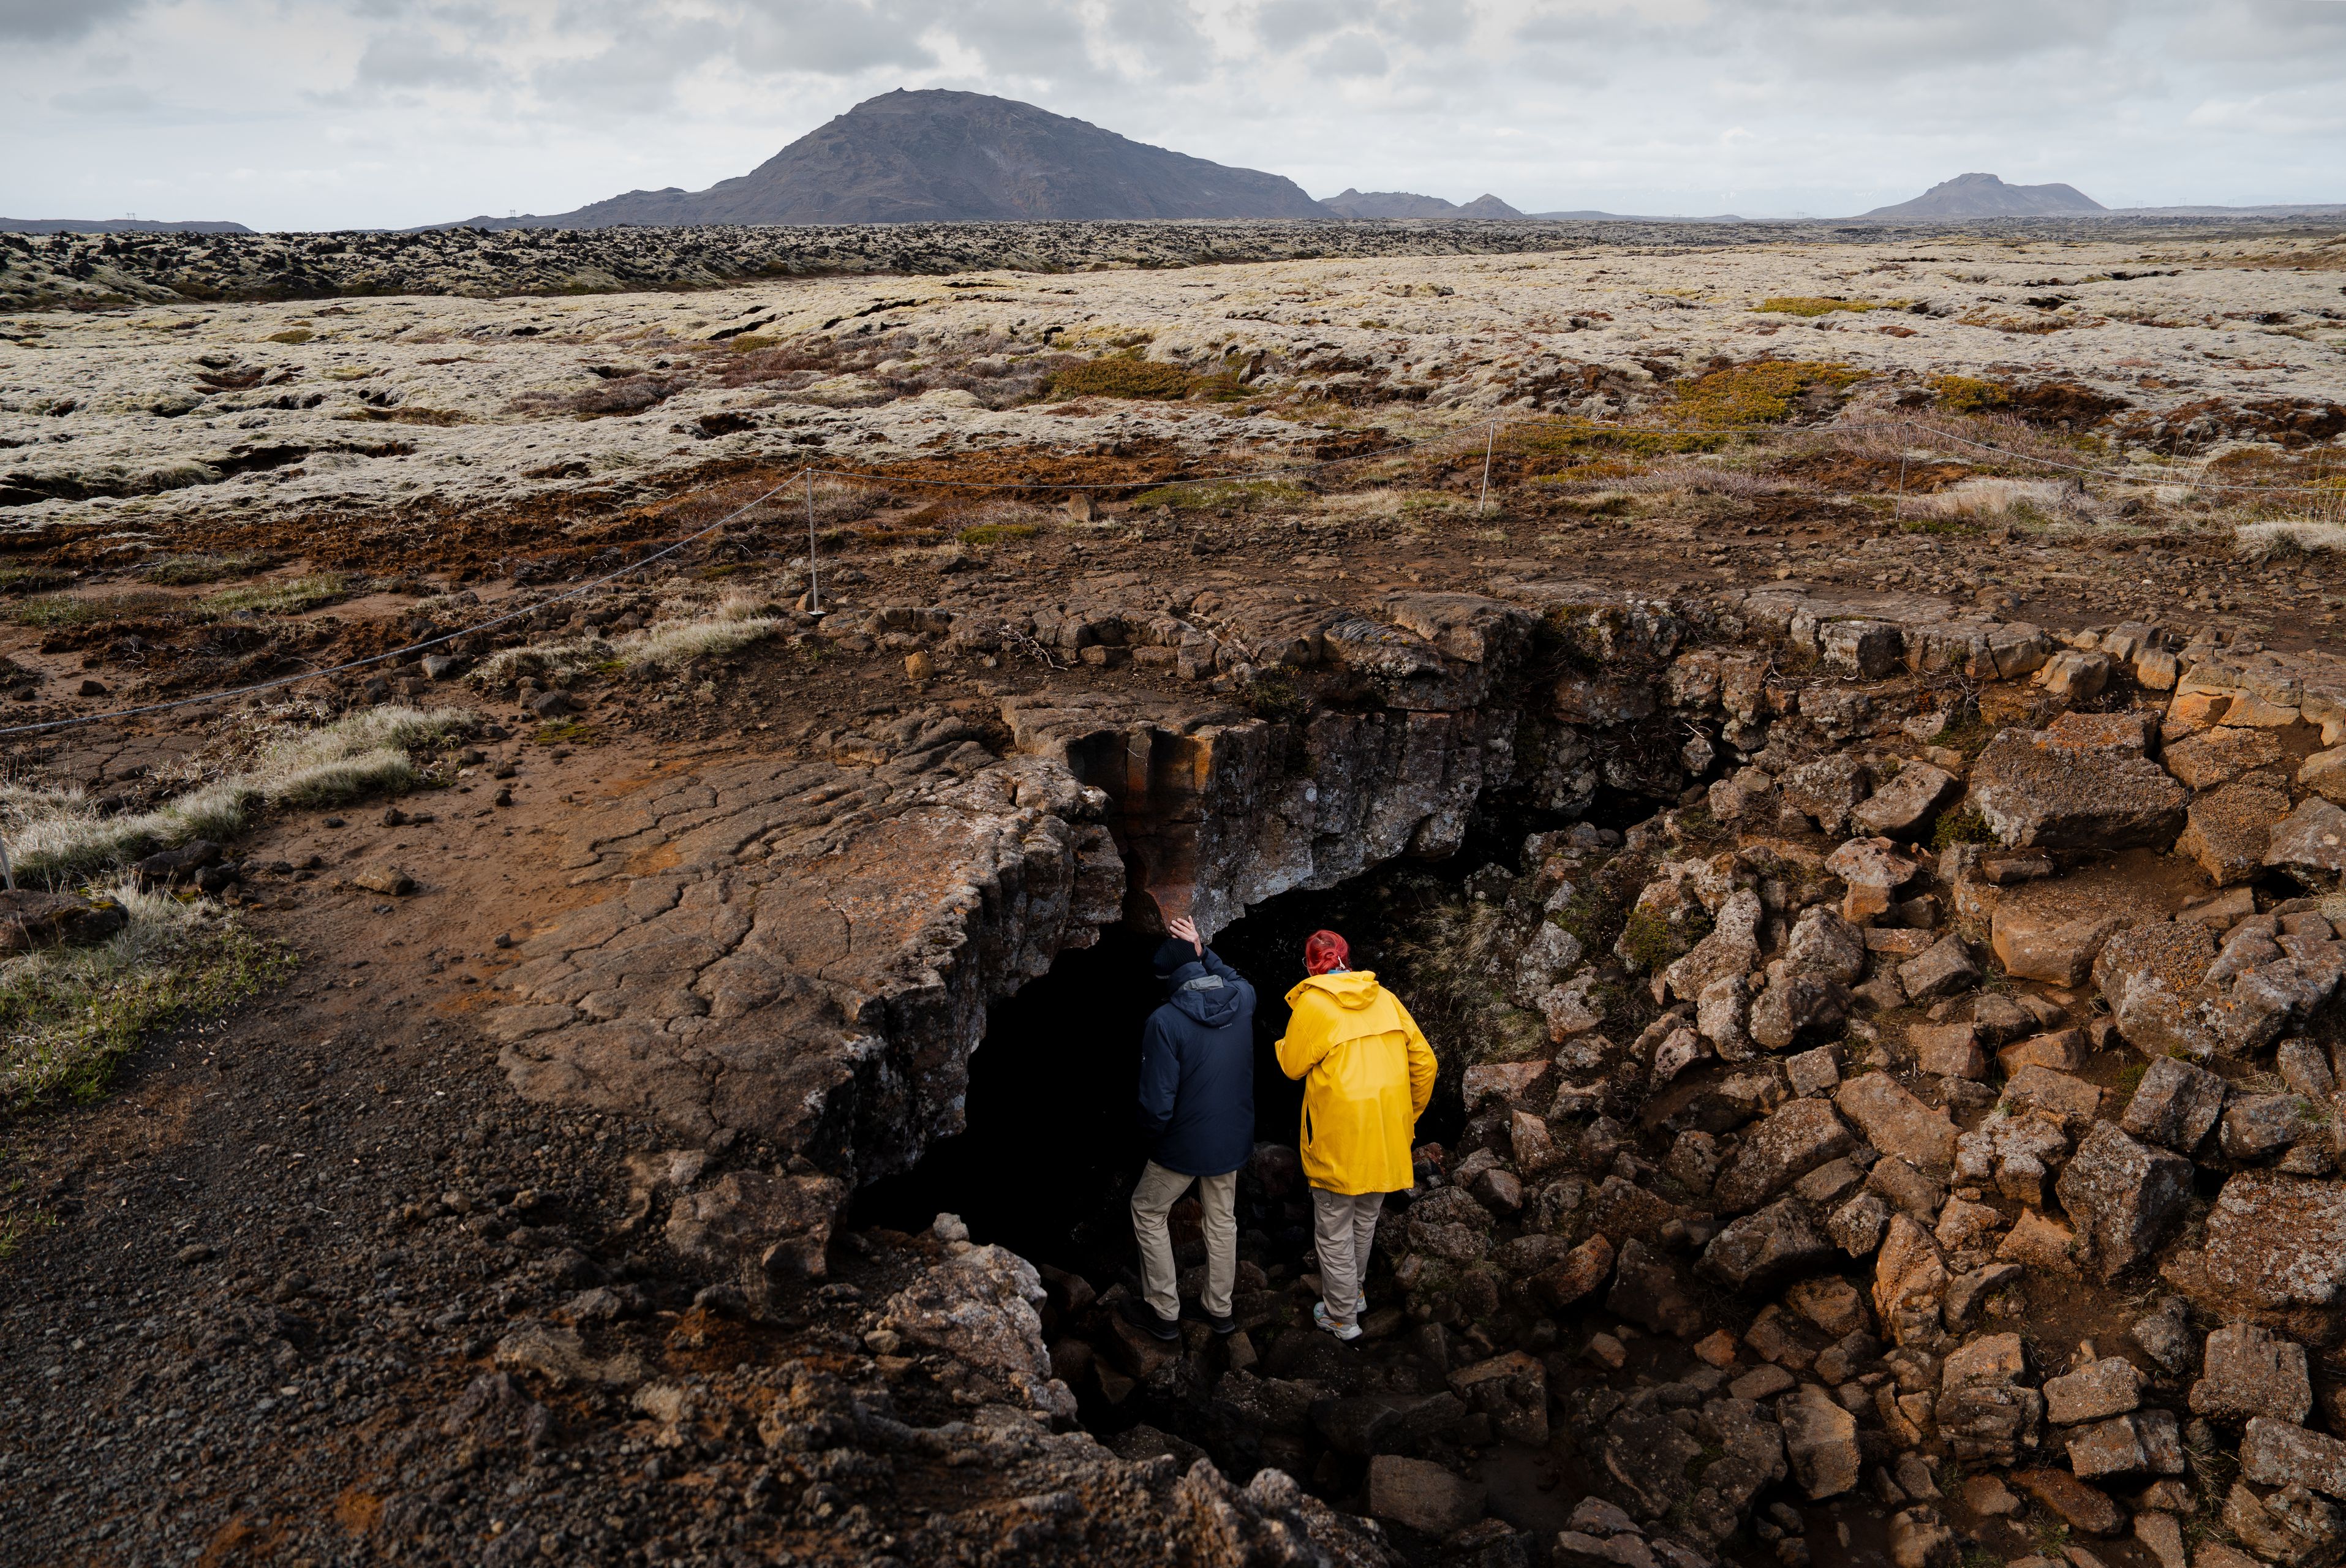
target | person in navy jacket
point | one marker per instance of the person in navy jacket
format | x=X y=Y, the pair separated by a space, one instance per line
x=1197 y=1109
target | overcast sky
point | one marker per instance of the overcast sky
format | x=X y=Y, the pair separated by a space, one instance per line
x=321 y=114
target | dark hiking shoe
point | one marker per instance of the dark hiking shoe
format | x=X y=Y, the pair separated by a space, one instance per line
x=1225 y=1327
x=1143 y=1317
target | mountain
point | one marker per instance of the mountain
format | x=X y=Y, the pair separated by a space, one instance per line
x=936 y=156
x=112 y=226
x=1405 y=204
x=1985 y=196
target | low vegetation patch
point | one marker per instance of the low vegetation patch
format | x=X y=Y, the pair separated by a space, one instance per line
x=1969 y=394
x=1213 y=495
x=1122 y=376
x=52 y=611
x=178 y=571
x=1765 y=391
x=33 y=579
x=68 y=1016
x=1815 y=305
x=289 y=596
x=998 y=533
x=738 y=621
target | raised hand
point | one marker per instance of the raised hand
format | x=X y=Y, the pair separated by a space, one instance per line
x=1184 y=928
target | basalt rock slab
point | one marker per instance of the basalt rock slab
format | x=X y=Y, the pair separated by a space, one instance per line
x=2078 y=785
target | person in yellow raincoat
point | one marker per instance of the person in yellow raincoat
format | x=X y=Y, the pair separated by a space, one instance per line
x=1367 y=1076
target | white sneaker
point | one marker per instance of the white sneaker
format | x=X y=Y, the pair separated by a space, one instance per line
x=1320 y=1320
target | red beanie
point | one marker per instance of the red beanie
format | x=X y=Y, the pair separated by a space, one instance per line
x=1324 y=951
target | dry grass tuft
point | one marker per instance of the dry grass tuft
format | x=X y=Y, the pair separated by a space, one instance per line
x=1976 y=499
x=2278 y=540
x=56 y=836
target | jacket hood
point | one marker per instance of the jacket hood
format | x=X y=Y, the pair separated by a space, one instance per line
x=1351 y=989
x=1201 y=994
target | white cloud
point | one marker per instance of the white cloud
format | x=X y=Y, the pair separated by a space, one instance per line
x=392 y=112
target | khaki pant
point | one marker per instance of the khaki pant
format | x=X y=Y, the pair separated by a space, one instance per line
x=1158 y=1191
x=1343 y=1228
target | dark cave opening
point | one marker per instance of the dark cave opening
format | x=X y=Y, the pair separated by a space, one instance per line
x=1051 y=1150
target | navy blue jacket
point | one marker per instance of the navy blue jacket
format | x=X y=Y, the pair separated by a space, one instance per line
x=1196 y=1071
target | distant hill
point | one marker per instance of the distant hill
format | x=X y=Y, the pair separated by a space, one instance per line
x=1985 y=196
x=112 y=226
x=1632 y=218
x=933 y=156
x=1404 y=204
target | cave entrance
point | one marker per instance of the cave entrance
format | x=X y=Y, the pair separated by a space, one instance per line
x=1046 y=1163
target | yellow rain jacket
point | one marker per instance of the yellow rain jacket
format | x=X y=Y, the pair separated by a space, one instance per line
x=1367 y=1073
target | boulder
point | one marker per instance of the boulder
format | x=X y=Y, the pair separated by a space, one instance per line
x=1947 y=1050
x=1826 y=790
x=1944 y=970
x=2080 y=1506
x=2142 y=1443
x=1423 y=1497
x=1825 y=945
x=2053 y=930
x=2324 y=772
x=1760 y=1249
x=1872 y=870
x=1731 y=947
x=2282 y=1453
x=2122 y=1197
x=2216 y=757
x=2175 y=1105
x=2294 y=1526
x=1903 y=808
x=1986 y=1414
x=1792 y=1141
x=2229 y=829
x=2095 y=1391
x=31 y=919
x=2153 y=979
x=2077 y=786
x=2247 y=1371
x=1648 y=1291
x=2310 y=844
x=1796 y=1002
x=983 y=1307
x=1819 y=1442
x=2060 y=1097
x=1896 y=1122
x=1582 y=1271
x=2256 y=1127
x=1512 y=1389
x=2277 y=1242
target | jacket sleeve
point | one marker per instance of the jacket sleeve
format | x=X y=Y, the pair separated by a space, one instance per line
x=1424 y=1067
x=1306 y=1042
x=1160 y=1077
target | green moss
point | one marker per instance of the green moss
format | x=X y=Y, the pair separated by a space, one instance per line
x=1123 y=376
x=289 y=597
x=1273 y=695
x=290 y=335
x=567 y=732
x=1651 y=941
x=2130 y=1076
x=1814 y=305
x=1969 y=394
x=1964 y=826
x=1760 y=392
x=1950 y=527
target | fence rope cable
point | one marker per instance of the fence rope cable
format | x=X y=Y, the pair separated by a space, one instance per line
x=809 y=473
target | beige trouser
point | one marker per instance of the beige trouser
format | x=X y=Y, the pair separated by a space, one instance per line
x=1343 y=1228
x=1158 y=1191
